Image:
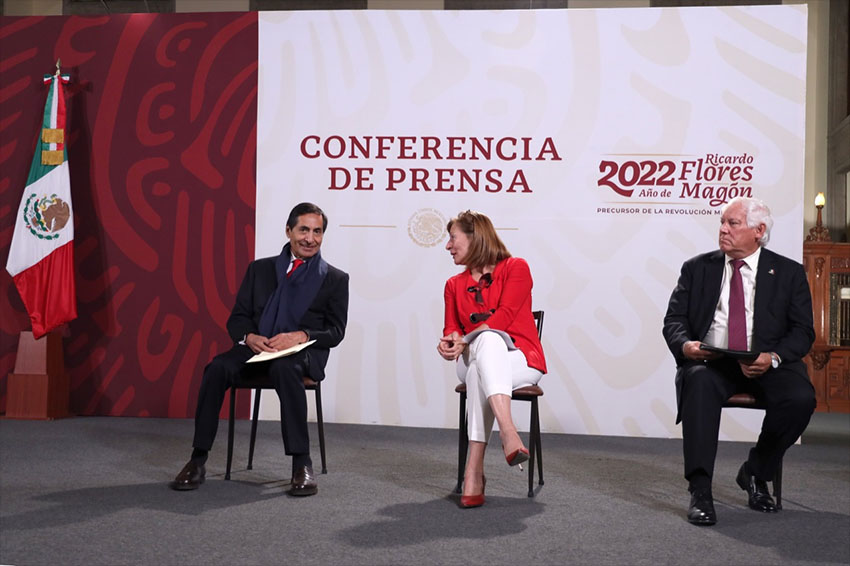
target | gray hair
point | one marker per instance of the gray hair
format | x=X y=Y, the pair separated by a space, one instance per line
x=757 y=213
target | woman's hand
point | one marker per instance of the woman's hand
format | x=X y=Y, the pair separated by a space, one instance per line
x=451 y=346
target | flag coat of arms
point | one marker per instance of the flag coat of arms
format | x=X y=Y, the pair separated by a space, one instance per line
x=41 y=257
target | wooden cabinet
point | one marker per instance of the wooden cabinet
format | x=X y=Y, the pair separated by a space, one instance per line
x=828 y=269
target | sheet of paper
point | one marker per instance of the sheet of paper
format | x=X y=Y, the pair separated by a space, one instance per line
x=474 y=334
x=266 y=356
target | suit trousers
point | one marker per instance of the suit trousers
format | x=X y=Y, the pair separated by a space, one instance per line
x=286 y=374
x=488 y=368
x=790 y=400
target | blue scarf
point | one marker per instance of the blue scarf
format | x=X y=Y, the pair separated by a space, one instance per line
x=293 y=295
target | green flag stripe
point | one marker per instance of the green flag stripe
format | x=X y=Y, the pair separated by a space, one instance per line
x=37 y=169
x=48 y=105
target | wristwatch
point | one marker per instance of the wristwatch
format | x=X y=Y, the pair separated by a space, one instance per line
x=774 y=360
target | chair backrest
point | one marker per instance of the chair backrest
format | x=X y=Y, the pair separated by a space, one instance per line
x=538 y=320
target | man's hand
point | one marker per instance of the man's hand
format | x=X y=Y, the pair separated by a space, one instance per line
x=258 y=343
x=286 y=340
x=757 y=367
x=451 y=346
x=692 y=351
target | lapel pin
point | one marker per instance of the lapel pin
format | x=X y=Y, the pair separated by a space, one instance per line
x=772 y=272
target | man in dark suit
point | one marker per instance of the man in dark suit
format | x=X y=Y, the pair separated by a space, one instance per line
x=283 y=301
x=742 y=297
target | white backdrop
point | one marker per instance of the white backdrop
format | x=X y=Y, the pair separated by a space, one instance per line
x=631 y=128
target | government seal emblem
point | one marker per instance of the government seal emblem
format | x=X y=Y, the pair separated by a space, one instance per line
x=427 y=227
x=46 y=216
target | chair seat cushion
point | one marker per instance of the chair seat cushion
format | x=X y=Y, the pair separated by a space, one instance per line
x=522 y=392
x=744 y=401
x=264 y=382
x=528 y=391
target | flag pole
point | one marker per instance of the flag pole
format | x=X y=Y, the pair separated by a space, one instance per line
x=41 y=263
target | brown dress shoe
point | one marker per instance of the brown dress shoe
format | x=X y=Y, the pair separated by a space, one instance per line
x=303 y=482
x=190 y=477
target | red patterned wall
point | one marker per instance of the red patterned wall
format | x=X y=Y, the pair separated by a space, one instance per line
x=162 y=143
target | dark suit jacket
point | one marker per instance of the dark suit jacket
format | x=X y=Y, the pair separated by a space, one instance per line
x=324 y=320
x=782 y=316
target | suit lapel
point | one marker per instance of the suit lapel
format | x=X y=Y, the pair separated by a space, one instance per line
x=714 y=277
x=713 y=281
x=765 y=287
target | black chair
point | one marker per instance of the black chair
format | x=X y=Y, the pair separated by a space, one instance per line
x=258 y=384
x=748 y=401
x=530 y=394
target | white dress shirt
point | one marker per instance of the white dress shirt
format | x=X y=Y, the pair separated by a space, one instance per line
x=718 y=333
x=291 y=261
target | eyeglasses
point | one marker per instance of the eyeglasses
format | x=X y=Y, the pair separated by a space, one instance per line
x=483 y=283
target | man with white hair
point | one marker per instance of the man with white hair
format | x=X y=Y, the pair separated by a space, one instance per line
x=743 y=298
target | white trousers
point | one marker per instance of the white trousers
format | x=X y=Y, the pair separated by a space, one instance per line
x=488 y=368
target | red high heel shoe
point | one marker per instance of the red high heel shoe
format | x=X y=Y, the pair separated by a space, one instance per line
x=470 y=501
x=518 y=456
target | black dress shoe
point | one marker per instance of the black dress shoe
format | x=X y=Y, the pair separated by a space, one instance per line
x=190 y=477
x=757 y=492
x=701 y=511
x=303 y=482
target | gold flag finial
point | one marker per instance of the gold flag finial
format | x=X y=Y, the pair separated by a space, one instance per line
x=58 y=64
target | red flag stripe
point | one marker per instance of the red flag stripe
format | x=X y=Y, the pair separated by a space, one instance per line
x=48 y=292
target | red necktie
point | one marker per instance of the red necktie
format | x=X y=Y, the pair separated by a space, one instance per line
x=737 y=314
x=296 y=263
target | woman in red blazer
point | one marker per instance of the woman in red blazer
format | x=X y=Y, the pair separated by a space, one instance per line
x=490 y=331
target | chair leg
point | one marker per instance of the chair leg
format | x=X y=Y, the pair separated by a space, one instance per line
x=531 y=450
x=462 y=443
x=321 y=422
x=532 y=444
x=537 y=435
x=230 y=424
x=777 y=485
x=254 y=418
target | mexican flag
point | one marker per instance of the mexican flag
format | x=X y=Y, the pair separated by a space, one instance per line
x=41 y=258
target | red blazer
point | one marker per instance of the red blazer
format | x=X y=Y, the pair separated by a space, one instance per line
x=510 y=295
